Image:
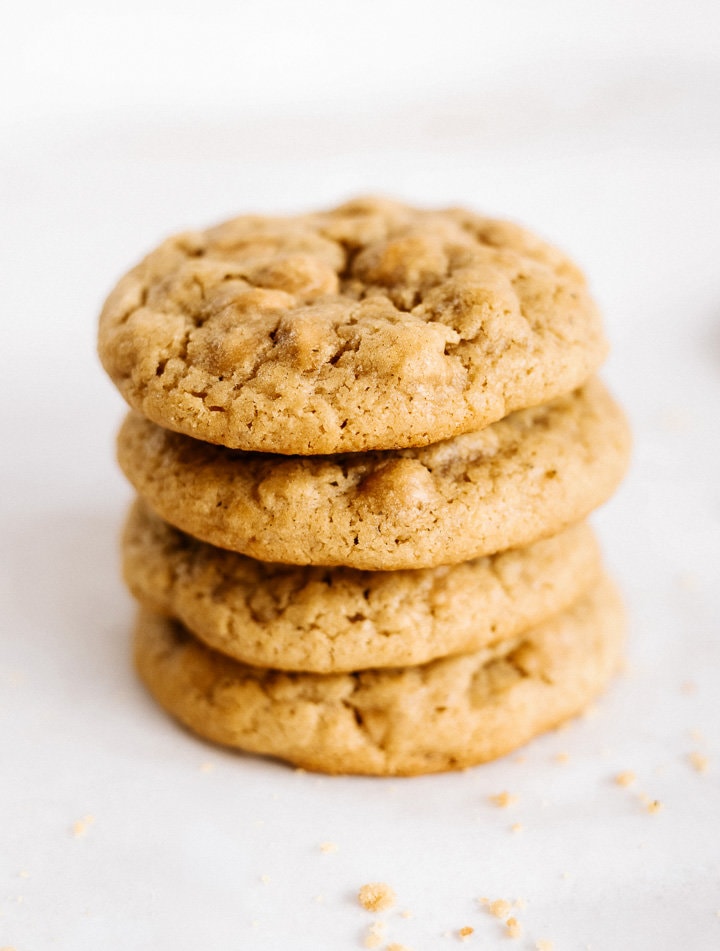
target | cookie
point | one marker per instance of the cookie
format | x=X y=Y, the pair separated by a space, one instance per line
x=523 y=478
x=339 y=619
x=448 y=714
x=372 y=326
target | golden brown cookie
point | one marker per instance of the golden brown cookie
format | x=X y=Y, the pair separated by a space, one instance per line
x=372 y=326
x=327 y=620
x=523 y=478
x=448 y=714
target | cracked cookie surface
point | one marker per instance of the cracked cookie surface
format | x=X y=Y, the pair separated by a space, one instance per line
x=521 y=479
x=327 y=620
x=371 y=326
x=448 y=714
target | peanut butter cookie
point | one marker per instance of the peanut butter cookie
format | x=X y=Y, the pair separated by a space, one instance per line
x=371 y=326
x=326 y=620
x=448 y=714
x=521 y=479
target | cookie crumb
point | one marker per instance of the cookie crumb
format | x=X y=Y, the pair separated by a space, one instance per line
x=626 y=778
x=376 y=935
x=544 y=946
x=23 y=874
x=503 y=799
x=398 y=947
x=376 y=896
x=653 y=806
x=81 y=827
x=517 y=827
x=406 y=914
x=562 y=757
x=520 y=903
x=464 y=933
x=500 y=908
x=698 y=762
x=328 y=847
x=514 y=928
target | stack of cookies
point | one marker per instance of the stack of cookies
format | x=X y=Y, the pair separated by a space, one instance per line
x=364 y=442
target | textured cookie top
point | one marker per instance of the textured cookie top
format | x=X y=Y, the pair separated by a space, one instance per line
x=328 y=620
x=521 y=479
x=372 y=326
x=448 y=714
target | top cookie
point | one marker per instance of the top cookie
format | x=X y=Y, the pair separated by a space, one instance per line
x=371 y=326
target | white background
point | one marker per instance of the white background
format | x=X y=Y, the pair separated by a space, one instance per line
x=595 y=123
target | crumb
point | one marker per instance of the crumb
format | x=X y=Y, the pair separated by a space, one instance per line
x=207 y=767
x=82 y=825
x=328 y=847
x=698 y=762
x=500 y=908
x=626 y=778
x=562 y=757
x=464 y=933
x=514 y=928
x=484 y=901
x=653 y=806
x=398 y=947
x=265 y=879
x=520 y=903
x=23 y=874
x=503 y=799
x=517 y=827
x=406 y=914
x=376 y=896
x=544 y=946
x=376 y=935
x=566 y=876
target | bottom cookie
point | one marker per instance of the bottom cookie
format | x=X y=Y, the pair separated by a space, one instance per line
x=447 y=714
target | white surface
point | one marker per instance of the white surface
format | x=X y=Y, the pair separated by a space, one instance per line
x=596 y=126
